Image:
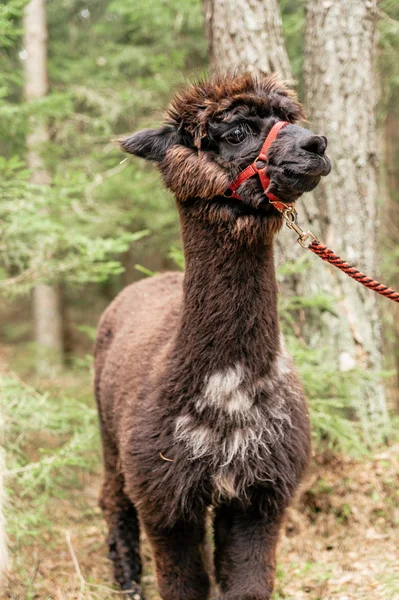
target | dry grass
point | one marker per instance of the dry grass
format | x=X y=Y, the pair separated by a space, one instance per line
x=340 y=541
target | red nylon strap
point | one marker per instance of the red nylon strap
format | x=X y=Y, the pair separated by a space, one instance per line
x=243 y=176
x=252 y=170
x=273 y=133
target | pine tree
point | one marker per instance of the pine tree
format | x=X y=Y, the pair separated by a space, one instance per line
x=103 y=81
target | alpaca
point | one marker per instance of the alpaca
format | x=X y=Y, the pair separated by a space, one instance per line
x=198 y=399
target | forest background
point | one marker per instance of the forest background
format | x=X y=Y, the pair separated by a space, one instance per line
x=91 y=224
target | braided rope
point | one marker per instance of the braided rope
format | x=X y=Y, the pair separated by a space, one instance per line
x=329 y=256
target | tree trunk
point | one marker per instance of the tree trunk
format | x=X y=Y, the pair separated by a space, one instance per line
x=47 y=312
x=390 y=236
x=246 y=35
x=341 y=94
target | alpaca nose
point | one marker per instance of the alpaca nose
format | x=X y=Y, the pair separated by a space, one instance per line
x=315 y=144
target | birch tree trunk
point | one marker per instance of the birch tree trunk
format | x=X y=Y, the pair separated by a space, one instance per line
x=340 y=99
x=47 y=312
x=341 y=96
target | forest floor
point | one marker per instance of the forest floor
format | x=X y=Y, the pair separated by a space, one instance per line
x=340 y=540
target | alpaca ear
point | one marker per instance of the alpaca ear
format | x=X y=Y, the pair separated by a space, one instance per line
x=150 y=144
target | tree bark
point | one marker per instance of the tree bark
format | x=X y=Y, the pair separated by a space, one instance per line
x=390 y=236
x=47 y=312
x=246 y=35
x=341 y=91
x=341 y=97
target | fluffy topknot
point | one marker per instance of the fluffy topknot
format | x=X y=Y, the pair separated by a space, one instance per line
x=207 y=99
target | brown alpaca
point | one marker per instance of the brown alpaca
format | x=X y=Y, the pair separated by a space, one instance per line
x=199 y=401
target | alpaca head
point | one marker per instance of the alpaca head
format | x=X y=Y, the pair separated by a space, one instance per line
x=215 y=128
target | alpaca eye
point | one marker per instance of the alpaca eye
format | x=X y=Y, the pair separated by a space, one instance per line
x=237 y=135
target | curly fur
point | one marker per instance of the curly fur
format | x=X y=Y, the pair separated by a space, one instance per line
x=194 y=107
x=188 y=173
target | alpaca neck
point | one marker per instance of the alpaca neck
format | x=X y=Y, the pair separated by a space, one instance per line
x=230 y=300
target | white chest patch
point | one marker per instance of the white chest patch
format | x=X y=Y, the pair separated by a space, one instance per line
x=226 y=391
x=236 y=430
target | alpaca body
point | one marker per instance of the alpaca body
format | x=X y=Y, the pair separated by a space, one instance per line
x=199 y=402
x=228 y=438
x=212 y=391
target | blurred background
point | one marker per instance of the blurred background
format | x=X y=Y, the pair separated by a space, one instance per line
x=78 y=223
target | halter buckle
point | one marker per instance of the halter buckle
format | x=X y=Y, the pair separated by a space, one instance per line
x=291 y=218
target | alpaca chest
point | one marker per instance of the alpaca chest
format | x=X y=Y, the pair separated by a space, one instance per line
x=234 y=425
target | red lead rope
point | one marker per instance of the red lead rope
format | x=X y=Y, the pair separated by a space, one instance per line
x=329 y=256
x=290 y=215
x=309 y=240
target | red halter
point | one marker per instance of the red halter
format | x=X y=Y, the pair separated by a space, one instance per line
x=252 y=170
x=290 y=215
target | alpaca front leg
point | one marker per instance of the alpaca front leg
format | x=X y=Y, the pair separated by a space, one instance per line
x=245 y=553
x=179 y=561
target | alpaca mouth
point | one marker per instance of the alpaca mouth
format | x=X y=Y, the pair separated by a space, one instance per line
x=292 y=180
x=301 y=182
x=319 y=169
x=288 y=184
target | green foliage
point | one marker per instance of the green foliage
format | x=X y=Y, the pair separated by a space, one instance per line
x=293 y=15
x=177 y=255
x=47 y=233
x=49 y=438
x=145 y=271
x=330 y=394
x=388 y=58
x=111 y=66
x=103 y=81
x=10 y=14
